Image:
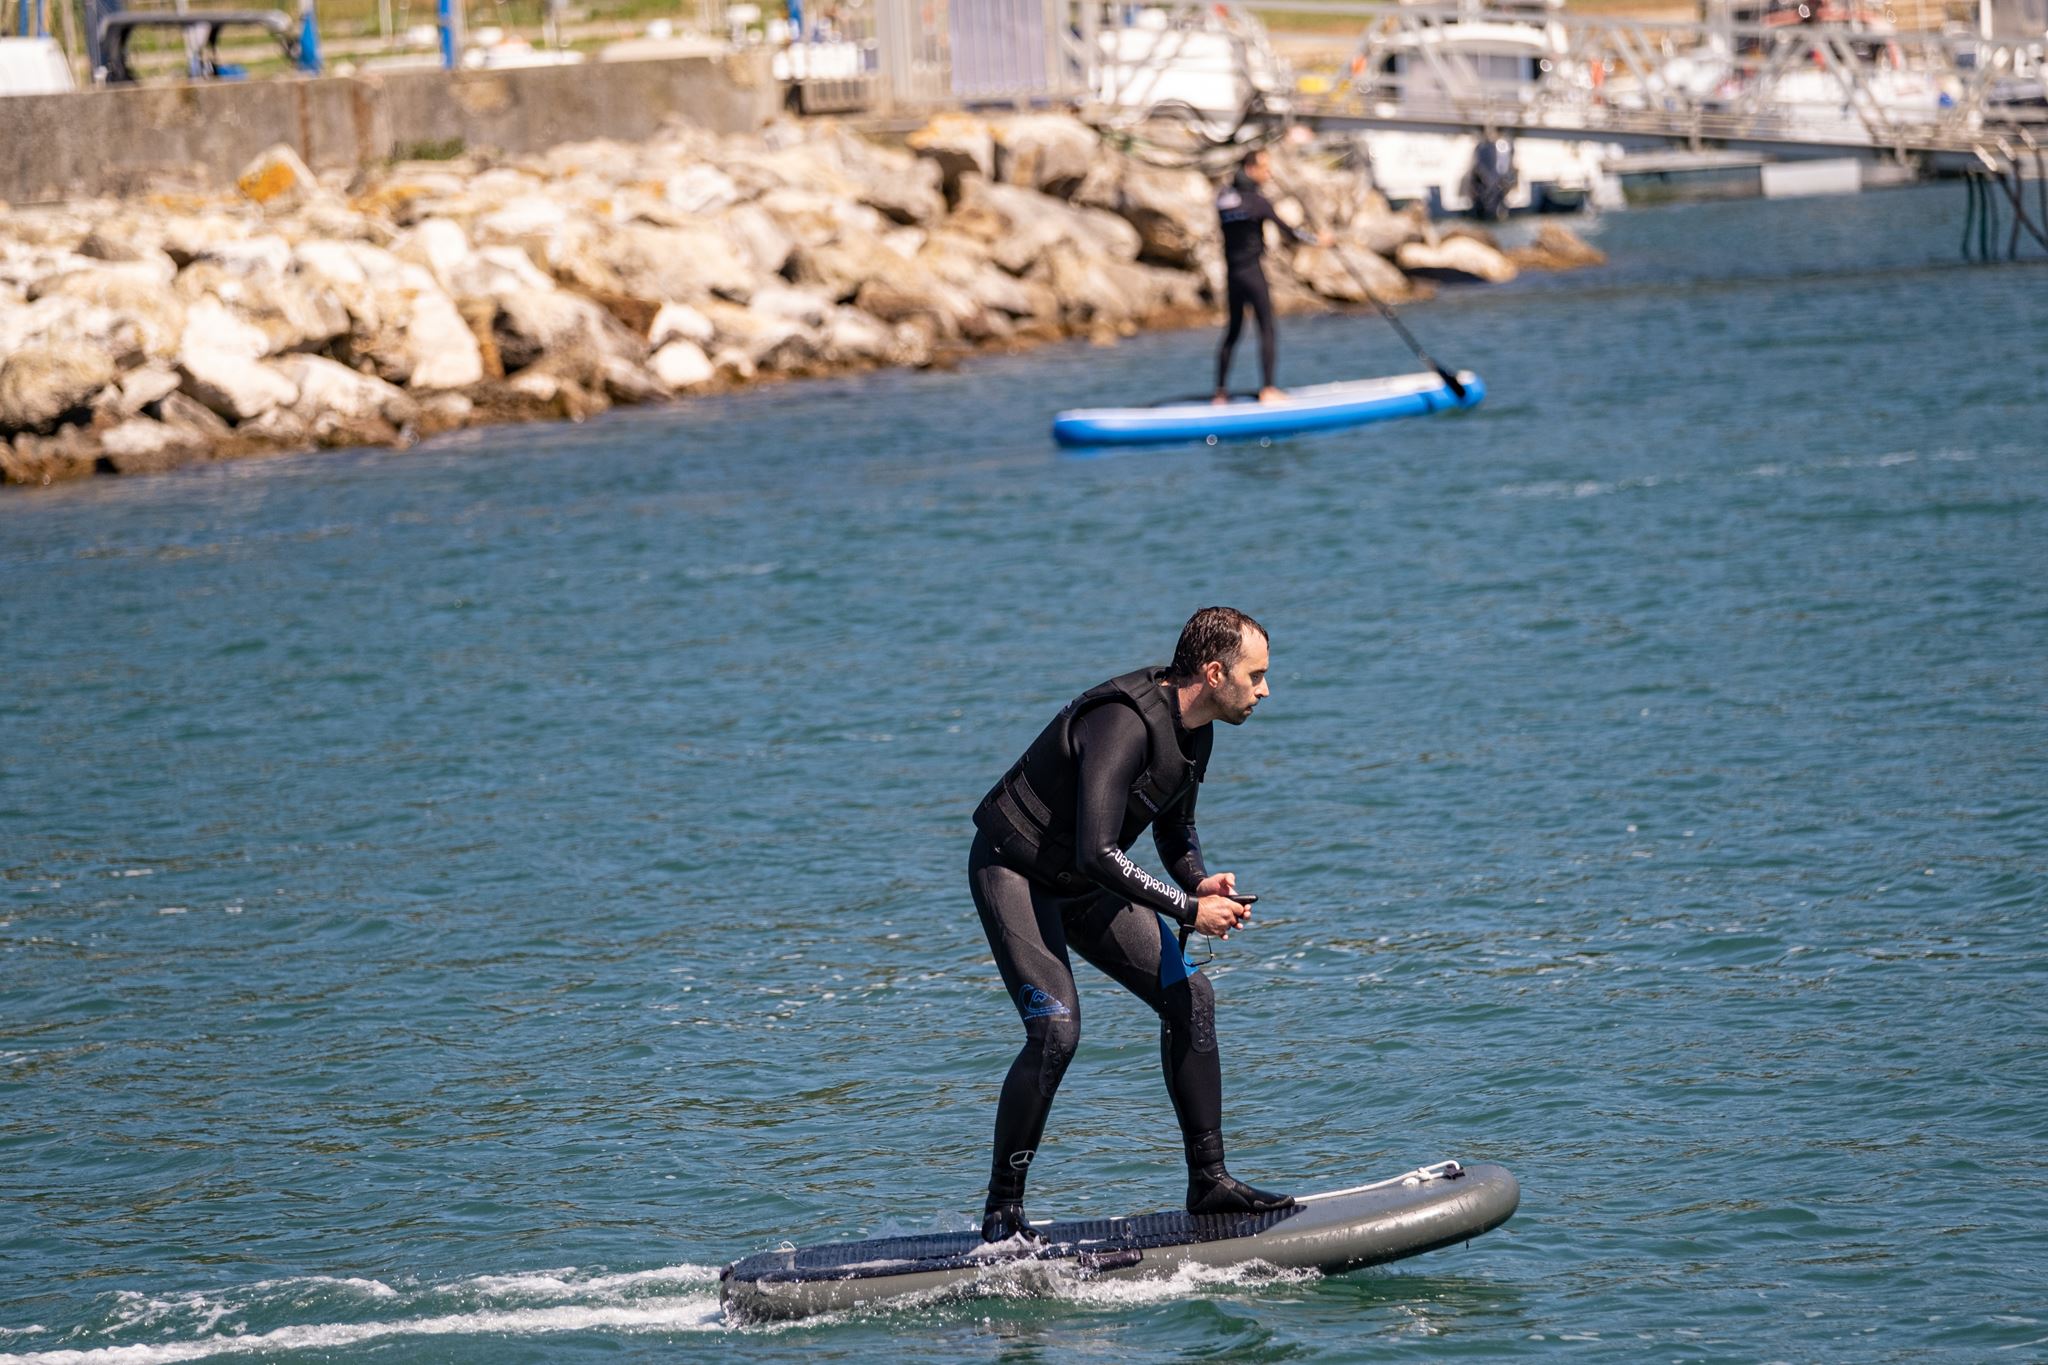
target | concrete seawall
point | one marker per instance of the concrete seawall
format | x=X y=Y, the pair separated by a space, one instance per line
x=121 y=142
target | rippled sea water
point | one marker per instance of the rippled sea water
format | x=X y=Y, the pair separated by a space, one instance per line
x=452 y=902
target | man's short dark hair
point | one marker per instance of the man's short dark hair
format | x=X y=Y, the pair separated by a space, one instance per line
x=1245 y=163
x=1212 y=633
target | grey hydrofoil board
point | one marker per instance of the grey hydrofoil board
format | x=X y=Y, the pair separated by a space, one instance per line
x=1434 y=1206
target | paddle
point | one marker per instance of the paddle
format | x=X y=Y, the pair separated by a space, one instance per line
x=1386 y=310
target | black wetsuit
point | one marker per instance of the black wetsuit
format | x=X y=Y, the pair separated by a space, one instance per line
x=1106 y=908
x=1244 y=213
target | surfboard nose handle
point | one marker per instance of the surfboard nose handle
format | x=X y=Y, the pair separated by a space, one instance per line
x=1096 y=1262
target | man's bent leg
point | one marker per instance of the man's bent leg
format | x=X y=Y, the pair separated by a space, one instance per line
x=1029 y=942
x=1136 y=948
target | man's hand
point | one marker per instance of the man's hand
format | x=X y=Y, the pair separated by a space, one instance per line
x=1216 y=916
x=1217 y=884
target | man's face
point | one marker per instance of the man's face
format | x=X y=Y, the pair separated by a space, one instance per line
x=1244 y=681
x=1259 y=171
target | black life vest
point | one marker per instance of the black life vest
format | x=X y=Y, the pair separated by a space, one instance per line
x=1029 y=816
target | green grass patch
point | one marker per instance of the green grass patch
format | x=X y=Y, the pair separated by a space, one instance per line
x=437 y=149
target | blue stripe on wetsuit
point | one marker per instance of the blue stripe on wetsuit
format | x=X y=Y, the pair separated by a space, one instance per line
x=1174 y=966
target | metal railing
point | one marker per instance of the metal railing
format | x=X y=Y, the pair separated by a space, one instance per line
x=1798 y=88
x=1850 y=86
x=911 y=54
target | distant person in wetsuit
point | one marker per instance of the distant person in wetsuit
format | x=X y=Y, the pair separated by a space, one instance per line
x=1048 y=871
x=1244 y=211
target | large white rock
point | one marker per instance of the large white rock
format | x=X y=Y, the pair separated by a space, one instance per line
x=534 y=325
x=330 y=218
x=1021 y=226
x=1048 y=152
x=444 y=351
x=679 y=322
x=681 y=365
x=603 y=157
x=234 y=386
x=1557 y=247
x=493 y=272
x=906 y=241
x=680 y=263
x=627 y=381
x=157 y=314
x=188 y=238
x=278 y=428
x=962 y=144
x=963 y=261
x=901 y=187
x=345 y=263
x=1174 y=212
x=140 y=445
x=60 y=319
x=814 y=219
x=915 y=295
x=812 y=165
x=292 y=311
x=152 y=270
x=533 y=215
x=700 y=189
x=211 y=326
x=1379 y=229
x=851 y=337
x=1093 y=291
x=128 y=237
x=1350 y=274
x=40 y=383
x=401 y=324
x=770 y=343
x=266 y=253
x=760 y=237
x=328 y=389
x=806 y=306
x=141 y=387
x=843 y=264
x=439 y=244
x=1456 y=258
x=277 y=179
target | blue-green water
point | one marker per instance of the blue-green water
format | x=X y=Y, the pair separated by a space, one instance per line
x=451 y=902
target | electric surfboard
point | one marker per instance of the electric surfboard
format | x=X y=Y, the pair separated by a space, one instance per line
x=1434 y=1206
x=1318 y=407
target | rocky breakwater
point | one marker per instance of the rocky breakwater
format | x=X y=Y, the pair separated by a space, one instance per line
x=293 y=313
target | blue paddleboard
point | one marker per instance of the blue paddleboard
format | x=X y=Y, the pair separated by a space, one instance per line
x=1319 y=407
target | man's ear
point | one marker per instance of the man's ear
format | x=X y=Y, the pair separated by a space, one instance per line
x=1212 y=673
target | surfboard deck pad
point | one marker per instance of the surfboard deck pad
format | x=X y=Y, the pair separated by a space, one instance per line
x=1419 y=1211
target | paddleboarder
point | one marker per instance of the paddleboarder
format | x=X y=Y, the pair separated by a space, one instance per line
x=1244 y=211
x=1050 y=870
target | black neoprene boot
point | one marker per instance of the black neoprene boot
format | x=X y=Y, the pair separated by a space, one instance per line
x=1003 y=1216
x=1001 y=1222
x=1211 y=1189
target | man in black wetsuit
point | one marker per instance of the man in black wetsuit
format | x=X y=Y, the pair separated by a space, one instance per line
x=1244 y=211
x=1049 y=870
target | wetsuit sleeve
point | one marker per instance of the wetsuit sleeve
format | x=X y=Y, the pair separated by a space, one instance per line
x=1268 y=214
x=1110 y=749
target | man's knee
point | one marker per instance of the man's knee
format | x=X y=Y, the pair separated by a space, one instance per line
x=1191 y=1009
x=1058 y=1041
